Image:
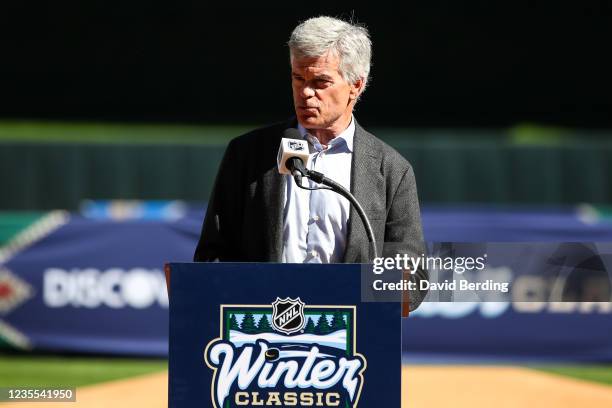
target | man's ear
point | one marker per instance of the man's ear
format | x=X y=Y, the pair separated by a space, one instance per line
x=356 y=88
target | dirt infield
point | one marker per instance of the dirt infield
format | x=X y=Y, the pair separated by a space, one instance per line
x=423 y=386
x=150 y=391
x=500 y=387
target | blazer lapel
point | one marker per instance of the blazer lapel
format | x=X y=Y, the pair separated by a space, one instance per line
x=273 y=187
x=366 y=179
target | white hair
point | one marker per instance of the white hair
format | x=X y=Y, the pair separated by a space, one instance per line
x=317 y=36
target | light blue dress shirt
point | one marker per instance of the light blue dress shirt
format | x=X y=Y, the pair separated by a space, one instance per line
x=315 y=222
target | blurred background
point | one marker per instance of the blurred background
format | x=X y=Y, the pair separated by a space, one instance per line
x=114 y=118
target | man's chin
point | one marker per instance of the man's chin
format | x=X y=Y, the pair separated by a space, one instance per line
x=309 y=122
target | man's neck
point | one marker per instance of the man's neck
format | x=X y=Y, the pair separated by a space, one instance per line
x=327 y=135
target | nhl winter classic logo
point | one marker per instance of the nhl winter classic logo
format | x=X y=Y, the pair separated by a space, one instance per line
x=288 y=315
x=286 y=353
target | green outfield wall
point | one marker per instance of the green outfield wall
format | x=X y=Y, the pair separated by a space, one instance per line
x=38 y=176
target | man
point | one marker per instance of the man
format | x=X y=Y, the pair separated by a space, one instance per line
x=257 y=215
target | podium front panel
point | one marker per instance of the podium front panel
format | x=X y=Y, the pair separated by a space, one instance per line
x=258 y=335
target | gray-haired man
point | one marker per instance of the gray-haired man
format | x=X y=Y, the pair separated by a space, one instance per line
x=257 y=215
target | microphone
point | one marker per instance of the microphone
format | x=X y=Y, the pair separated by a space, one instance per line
x=293 y=154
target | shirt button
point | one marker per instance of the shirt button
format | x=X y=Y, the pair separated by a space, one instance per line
x=314 y=253
x=315 y=218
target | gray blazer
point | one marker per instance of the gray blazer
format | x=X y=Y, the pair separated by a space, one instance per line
x=244 y=219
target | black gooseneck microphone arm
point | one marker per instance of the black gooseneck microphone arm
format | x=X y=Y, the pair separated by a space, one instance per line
x=298 y=170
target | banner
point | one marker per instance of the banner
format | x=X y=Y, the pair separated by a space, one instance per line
x=93 y=286
x=70 y=283
x=556 y=306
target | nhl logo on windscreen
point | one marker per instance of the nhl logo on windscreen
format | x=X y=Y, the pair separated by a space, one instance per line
x=288 y=315
x=296 y=146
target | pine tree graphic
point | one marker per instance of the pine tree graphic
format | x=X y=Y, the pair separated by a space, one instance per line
x=323 y=325
x=263 y=326
x=233 y=323
x=338 y=322
x=310 y=327
x=248 y=324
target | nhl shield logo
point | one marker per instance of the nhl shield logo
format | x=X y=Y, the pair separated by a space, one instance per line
x=288 y=315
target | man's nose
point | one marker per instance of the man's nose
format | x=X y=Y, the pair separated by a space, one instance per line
x=307 y=92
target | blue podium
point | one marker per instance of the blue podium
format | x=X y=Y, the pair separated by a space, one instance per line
x=290 y=335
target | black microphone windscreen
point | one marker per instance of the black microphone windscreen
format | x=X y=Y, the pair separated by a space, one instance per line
x=292 y=133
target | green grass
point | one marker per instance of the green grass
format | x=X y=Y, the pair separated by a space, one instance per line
x=47 y=371
x=596 y=373
x=83 y=132
x=34 y=131
x=41 y=131
x=58 y=371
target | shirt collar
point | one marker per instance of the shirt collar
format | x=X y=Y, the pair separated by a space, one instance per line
x=347 y=136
